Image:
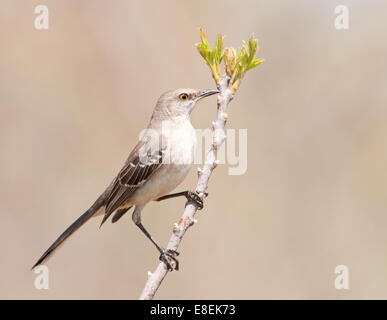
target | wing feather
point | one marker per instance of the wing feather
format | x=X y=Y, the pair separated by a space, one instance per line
x=134 y=173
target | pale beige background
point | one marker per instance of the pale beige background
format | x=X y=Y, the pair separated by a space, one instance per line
x=73 y=99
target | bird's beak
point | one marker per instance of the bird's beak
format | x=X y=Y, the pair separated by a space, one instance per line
x=206 y=93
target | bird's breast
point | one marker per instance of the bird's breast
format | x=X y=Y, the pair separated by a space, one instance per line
x=181 y=144
x=177 y=161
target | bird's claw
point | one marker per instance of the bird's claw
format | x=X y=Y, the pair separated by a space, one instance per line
x=194 y=197
x=169 y=258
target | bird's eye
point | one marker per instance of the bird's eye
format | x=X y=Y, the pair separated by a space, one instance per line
x=183 y=96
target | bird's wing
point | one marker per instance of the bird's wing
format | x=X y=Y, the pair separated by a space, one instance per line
x=141 y=164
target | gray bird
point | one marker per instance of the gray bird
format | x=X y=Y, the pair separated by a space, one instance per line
x=159 y=163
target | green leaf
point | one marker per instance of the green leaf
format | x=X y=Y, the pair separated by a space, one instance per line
x=213 y=56
x=219 y=48
x=254 y=63
x=203 y=37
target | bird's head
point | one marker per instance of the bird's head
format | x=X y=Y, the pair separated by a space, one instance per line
x=181 y=102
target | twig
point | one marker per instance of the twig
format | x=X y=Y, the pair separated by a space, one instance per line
x=187 y=219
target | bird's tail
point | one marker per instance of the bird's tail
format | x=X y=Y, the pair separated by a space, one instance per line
x=70 y=230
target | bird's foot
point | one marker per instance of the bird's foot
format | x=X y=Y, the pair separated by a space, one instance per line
x=169 y=258
x=193 y=196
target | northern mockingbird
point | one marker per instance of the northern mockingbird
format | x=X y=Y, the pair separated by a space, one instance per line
x=159 y=162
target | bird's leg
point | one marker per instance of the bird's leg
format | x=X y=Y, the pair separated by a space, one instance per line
x=164 y=254
x=190 y=195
